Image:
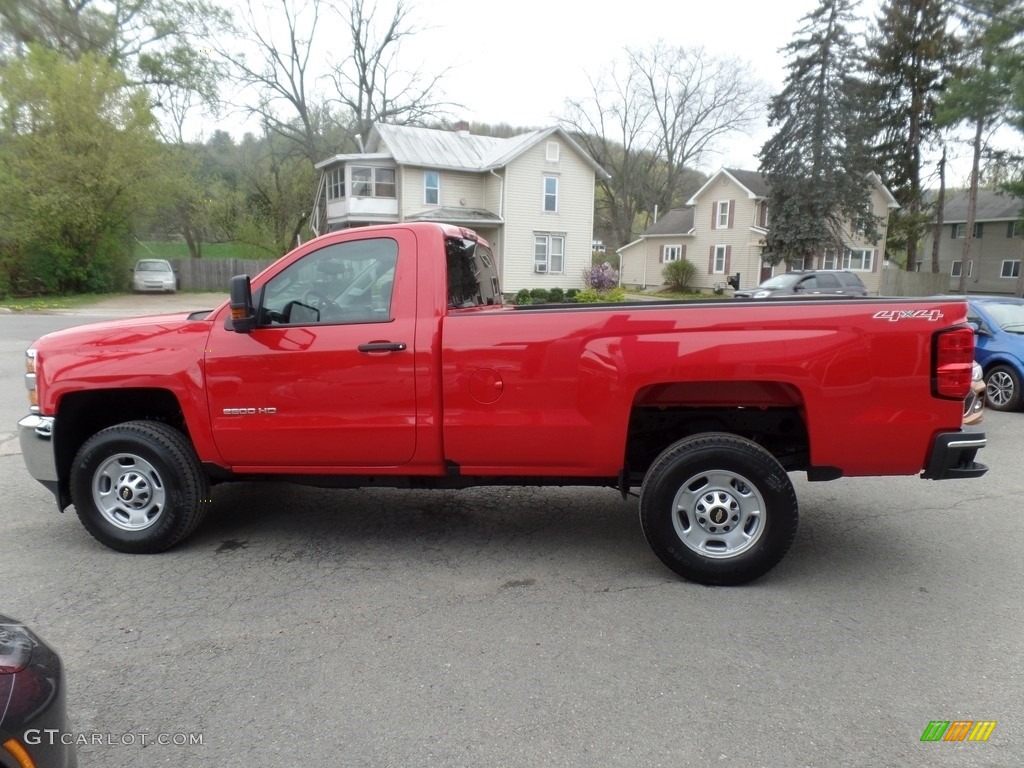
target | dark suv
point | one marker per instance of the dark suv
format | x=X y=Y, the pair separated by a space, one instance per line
x=807 y=282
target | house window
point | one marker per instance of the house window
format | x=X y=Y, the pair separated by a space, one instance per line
x=800 y=263
x=336 y=184
x=673 y=253
x=722 y=214
x=549 y=253
x=859 y=259
x=1010 y=269
x=431 y=188
x=1012 y=229
x=960 y=230
x=957 y=268
x=762 y=214
x=551 y=152
x=830 y=261
x=551 y=194
x=368 y=181
x=718 y=259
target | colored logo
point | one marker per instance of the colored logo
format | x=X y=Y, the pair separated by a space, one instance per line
x=958 y=730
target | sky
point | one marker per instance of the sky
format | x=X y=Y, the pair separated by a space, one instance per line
x=517 y=61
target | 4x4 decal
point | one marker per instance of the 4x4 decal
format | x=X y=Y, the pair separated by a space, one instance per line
x=895 y=315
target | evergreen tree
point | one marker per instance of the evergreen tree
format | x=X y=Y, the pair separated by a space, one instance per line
x=817 y=161
x=984 y=91
x=912 y=55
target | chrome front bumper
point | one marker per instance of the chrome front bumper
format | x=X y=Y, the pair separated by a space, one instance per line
x=35 y=433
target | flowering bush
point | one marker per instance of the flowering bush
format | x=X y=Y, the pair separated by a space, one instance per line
x=601 y=277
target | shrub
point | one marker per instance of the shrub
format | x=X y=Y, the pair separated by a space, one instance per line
x=571 y=294
x=593 y=296
x=678 y=275
x=539 y=296
x=523 y=297
x=601 y=277
x=556 y=296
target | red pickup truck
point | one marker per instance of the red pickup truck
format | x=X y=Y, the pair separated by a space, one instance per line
x=383 y=356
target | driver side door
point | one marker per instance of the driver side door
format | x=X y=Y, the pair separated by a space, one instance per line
x=326 y=377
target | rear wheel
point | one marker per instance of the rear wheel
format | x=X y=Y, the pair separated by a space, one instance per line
x=1002 y=385
x=138 y=487
x=718 y=509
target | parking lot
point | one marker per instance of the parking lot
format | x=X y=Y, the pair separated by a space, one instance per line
x=524 y=627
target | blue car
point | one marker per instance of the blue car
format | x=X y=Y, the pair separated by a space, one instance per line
x=999 y=347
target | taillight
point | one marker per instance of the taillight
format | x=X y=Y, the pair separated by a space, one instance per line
x=953 y=361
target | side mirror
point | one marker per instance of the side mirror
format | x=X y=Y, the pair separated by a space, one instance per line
x=243 y=314
x=974 y=327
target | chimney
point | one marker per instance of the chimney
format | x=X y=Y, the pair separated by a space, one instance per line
x=461 y=128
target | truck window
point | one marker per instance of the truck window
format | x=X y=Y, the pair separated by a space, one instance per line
x=340 y=283
x=472 y=274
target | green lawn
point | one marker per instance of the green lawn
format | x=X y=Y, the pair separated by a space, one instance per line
x=40 y=303
x=179 y=250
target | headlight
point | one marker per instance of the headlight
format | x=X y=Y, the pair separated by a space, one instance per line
x=30 y=380
x=762 y=294
x=15 y=648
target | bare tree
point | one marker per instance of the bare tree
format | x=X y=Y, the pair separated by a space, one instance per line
x=370 y=83
x=696 y=100
x=654 y=117
x=611 y=126
x=282 y=72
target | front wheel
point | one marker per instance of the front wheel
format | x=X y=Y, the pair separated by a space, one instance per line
x=718 y=509
x=1002 y=389
x=138 y=487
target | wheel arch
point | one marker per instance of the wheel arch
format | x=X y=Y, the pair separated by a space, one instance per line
x=769 y=413
x=82 y=414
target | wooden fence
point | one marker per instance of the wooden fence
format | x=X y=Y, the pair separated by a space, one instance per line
x=899 y=282
x=214 y=274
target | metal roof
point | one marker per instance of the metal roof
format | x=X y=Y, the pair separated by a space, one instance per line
x=454 y=150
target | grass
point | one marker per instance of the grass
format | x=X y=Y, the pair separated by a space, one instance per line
x=152 y=249
x=40 y=303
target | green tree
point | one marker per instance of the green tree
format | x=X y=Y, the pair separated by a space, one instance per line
x=158 y=44
x=817 y=161
x=911 y=57
x=79 y=156
x=985 y=89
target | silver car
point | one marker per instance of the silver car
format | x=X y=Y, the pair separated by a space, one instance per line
x=154 y=275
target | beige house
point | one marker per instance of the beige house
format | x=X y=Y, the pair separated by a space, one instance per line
x=722 y=231
x=531 y=196
x=996 y=249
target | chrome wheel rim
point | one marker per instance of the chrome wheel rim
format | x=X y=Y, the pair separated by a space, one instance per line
x=718 y=514
x=999 y=388
x=129 y=492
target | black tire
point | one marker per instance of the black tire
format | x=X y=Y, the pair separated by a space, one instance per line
x=139 y=487
x=1002 y=388
x=718 y=509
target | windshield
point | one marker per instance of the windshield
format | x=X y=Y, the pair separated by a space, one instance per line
x=780 y=281
x=152 y=266
x=1009 y=317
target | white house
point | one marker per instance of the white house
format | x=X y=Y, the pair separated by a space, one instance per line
x=531 y=196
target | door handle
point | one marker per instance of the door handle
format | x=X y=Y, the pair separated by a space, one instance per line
x=382 y=346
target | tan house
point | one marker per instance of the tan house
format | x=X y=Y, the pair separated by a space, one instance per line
x=531 y=196
x=722 y=231
x=996 y=249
